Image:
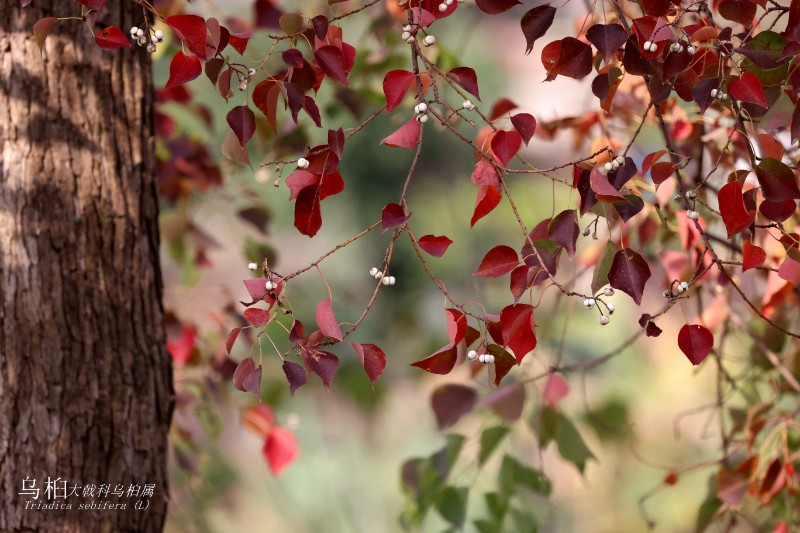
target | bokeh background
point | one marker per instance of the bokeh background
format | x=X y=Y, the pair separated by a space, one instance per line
x=642 y=413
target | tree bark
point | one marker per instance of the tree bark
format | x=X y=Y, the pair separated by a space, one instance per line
x=85 y=378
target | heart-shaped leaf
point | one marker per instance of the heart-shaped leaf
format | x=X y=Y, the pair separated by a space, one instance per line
x=395 y=86
x=497 y=262
x=434 y=245
x=695 y=341
x=629 y=273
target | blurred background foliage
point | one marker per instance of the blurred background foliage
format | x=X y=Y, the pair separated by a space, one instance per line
x=640 y=414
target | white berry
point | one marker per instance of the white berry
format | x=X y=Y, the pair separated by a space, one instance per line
x=588 y=303
x=604 y=320
x=691 y=49
x=691 y=195
x=422 y=119
x=609 y=291
x=159 y=35
x=647 y=46
x=134 y=30
x=692 y=215
x=392 y=280
x=139 y=32
x=472 y=355
x=387 y=280
x=448 y=2
x=429 y=40
x=620 y=160
x=422 y=107
x=151 y=48
x=269 y=285
x=373 y=271
x=468 y=105
x=252 y=265
x=611 y=308
x=407 y=27
x=243 y=85
x=482 y=358
x=684 y=286
x=251 y=72
x=379 y=275
x=723 y=96
x=405 y=35
x=614 y=165
x=609 y=166
x=714 y=93
x=490 y=359
x=141 y=40
x=442 y=7
x=302 y=163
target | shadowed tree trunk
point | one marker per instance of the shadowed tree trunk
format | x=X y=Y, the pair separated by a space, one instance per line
x=85 y=379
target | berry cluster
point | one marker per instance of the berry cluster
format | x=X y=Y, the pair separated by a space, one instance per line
x=650 y=46
x=468 y=105
x=444 y=5
x=719 y=94
x=485 y=358
x=615 y=163
x=246 y=80
x=605 y=318
x=143 y=37
x=677 y=47
x=421 y=112
x=377 y=274
x=302 y=163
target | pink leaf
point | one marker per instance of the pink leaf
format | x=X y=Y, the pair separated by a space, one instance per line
x=242 y=121
x=110 y=38
x=604 y=191
x=183 y=69
x=395 y=86
x=696 y=342
x=372 y=359
x=182 y=349
x=392 y=216
x=405 y=137
x=324 y=364
x=451 y=402
x=555 y=390
x=748 y=89
x=327 y=321
x=525 y=124
x=280 y=449
x=505 y=145
x=232 y=336
x=192 y=30
x=436 y=246
x=498 y=261
x=257 y=317
x=790 y=271
x=467 y=78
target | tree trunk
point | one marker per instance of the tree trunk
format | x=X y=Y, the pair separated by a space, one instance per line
x=85 y=379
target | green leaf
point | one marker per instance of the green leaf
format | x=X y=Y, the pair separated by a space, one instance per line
x=490 y=438
x=600 y=276
x=452 y=505
x=610 y=421
x=513 y=474
x=551 y=425
x=484 y=526
x=497 y=505
x=524 y=521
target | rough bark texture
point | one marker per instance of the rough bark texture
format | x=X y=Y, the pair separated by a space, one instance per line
x=85 y=380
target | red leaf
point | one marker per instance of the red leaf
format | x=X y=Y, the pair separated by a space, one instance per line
x=499 y=261
x=265 y=98
x=257 y=317
x=505 y=145
x=256 y=287
x=555 y=390
x=451 y=402
x=525 y=125
x=395 y=86
x=442 y=362
x=485 y=173
x=405 y=137
x=519 y=333
x=110 y=38
x=323 y=364
x=42 y=28
x=247 y=377
x=752 y=256
x=651 y=158
x=299 y=180
x=331 y=60
x=232 y=336
x=239 y=41
x=331 y=184
x=777 y=180
x=307 y=214
x=183 y=69
x=242 y=121
x=392 y=216
x=749 y=89
x=777 y=211
x=661 y=172
x=535 y=24
x=629 y=273
x=295 y=375
x=467 y=78
x=790 y=271
x=280 y=449
x=456 y=326
x=567 y=57
x=563 y=230
x=192 y=30
x=182 y=349
x=326 y=321
x=734 y=213
x=489 y=197
x=604 y=191
x=436 y=246
x=607 y=38
x=372 y=359
x=500 y=108
x=495 y=7
x=696 y=342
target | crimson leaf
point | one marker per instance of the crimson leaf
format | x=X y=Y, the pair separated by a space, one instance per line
x=242 y=121
x=183 y=69
x=535 y=24
x=451 y=402
x=395 y=86
x=629 y=273
x=696 y=342
x=497 y=262
x=734 y=213
x=327 y=321
x=434 y=245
